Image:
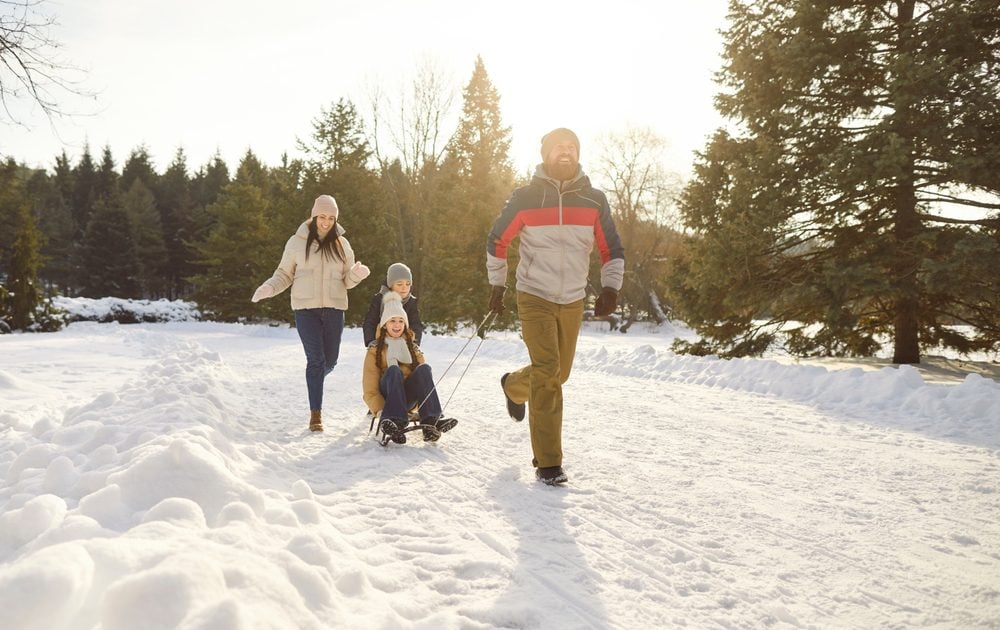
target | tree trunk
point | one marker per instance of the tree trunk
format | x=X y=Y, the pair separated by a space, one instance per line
x=906 y=259
x=906 y=262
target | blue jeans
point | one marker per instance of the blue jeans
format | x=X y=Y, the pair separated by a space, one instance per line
x=320 y=330
x=401 y=395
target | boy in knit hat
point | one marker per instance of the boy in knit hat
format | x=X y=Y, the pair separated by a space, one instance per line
x=396 y=378
x=399 y=279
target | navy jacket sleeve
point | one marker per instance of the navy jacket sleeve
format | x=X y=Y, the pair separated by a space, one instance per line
x=370 y=324
x=413 y=316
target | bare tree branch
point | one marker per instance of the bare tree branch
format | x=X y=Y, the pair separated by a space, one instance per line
x=986 y=222
x=415 y=121
x=643 y=197
x=30 y=66
x=943 y=198
x=413 y=124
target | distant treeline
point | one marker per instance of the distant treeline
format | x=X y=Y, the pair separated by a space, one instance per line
x=852 y=198
x=211 y=234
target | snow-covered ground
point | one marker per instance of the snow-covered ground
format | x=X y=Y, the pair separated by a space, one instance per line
x=161 y=476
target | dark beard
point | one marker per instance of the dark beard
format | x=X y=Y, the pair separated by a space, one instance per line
x=562 y=172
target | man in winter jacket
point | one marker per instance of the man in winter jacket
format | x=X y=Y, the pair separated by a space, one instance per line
x=559 y=218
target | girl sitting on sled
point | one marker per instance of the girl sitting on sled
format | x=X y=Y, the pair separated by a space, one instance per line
x=397 y=379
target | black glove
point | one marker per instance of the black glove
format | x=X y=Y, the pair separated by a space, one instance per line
x=496 y=299
x=606 y=302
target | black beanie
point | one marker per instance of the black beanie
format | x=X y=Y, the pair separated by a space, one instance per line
x=554 y=137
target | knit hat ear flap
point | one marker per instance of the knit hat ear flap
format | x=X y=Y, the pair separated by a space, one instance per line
x=392 y=306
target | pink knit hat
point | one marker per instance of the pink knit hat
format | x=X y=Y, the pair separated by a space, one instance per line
x=325 y=204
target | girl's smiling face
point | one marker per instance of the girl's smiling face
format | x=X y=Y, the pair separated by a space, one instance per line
x=395 y=327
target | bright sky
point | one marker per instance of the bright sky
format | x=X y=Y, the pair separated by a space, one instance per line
x=229 y=75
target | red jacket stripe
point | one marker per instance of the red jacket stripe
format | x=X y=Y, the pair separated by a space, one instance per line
x=508 y=235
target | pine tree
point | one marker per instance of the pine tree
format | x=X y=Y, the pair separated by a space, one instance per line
x=63 y=181
x=173 y=198
x=139 y=166
x=106 y=181
x=858 y=124
x=147 y=234
x=19 y=243
x=338 y=140
x=476 y=178
x=51 y=197
x=55 y=223
x=206 y=185
x=11 y=191
x=22 y=280
x=480 y=146
x=241 y=250
x=108 y=257
x=22 y=303
x=208 y=181
x=84 y=194
x=289 y=189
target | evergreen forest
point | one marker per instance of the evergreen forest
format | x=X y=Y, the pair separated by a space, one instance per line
x=849 y=202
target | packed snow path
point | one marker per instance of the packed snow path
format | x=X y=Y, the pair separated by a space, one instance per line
x=171 y=464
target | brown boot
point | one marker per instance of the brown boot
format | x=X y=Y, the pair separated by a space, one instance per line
x=315 y=420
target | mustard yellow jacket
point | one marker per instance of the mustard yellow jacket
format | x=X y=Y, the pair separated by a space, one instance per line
x=372 y=376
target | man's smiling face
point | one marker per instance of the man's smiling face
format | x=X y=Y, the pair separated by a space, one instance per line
x=563 y=161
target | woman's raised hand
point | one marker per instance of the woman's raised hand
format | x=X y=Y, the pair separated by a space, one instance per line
x=359 y=272
x=263 y=292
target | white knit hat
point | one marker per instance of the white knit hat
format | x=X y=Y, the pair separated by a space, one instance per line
x=325 y=204
x=392 y=306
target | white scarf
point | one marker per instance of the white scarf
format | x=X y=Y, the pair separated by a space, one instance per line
x=396 y=352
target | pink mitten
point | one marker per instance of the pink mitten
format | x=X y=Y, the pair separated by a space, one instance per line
x=359 y=272
x=263 y=292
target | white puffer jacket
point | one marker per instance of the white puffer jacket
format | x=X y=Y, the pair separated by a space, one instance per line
x=319 y=282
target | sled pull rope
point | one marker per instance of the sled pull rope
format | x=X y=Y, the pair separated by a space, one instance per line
x=479 y=332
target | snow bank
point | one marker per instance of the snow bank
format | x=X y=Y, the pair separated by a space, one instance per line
x=968 y=412
x=110 y=309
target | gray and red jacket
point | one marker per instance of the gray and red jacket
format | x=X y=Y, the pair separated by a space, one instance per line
x=558 y=230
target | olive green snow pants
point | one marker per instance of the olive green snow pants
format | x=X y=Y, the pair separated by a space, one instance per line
x=549 y=331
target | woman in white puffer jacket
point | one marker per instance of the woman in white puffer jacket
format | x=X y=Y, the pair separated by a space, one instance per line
x=319 y=265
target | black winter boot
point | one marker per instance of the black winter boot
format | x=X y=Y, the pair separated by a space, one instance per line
x=434 y=427
x=515 y=410
x=393 y=430
x=551 y=475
